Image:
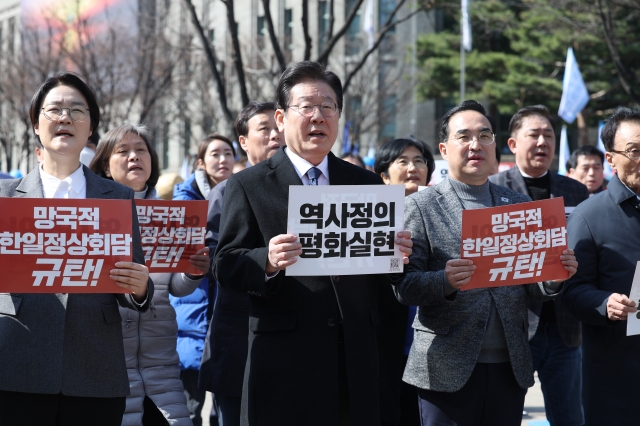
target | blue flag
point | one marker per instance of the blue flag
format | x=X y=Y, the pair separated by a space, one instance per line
x=565 y=152
x=346 y=138
x=574 y=92
x=608 y=171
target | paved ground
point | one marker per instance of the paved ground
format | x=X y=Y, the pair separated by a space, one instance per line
x=533 y=405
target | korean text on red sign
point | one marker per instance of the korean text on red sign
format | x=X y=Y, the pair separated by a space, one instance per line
x=171 y=232
x=63 y=245
x=346 y=229
x=515 y=244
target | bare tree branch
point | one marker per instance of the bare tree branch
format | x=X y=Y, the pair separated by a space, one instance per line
x=305 y=30
x=272 y=35
x=388 y=25
x=628 y=79
x=323 y=58
x=211 y=59
x=235 y=51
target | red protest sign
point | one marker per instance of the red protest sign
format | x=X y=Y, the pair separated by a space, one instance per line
x=171 y=232
x=63 y=245
x=515 y=244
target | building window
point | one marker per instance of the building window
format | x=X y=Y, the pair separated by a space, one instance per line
x=165 y=145
x=187 y=136
x=323 y=25
x=212 y=36
x=10 y=39
x=388 y=118
x=353 y=38
x=389 y=42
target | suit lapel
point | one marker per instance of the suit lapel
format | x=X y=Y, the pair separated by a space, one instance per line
x=30 y=186
x=95 y=187
x=450 y=205
x=338 y=174
x=517 y=181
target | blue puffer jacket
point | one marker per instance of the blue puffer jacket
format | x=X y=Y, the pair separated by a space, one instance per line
x=193 y=311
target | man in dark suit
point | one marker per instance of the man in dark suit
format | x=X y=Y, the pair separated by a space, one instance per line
x=604 y=232
x=555 y=345
x=312 y=346
x=225 y=351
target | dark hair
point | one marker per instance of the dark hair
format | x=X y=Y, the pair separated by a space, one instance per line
x=610 y=129
x=390 y=151
x=108 y=142
x=252 y=108
x=468 y=105
x=585 y=150
x=305 y=71
x=64 y=79
x=202 y=148
x=516 y=121
x=355 y=157
x=498 y=154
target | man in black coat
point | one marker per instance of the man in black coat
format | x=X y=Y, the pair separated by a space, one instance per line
x=554 y=334
x=604 y=232
x=225 y=349
x=312 y=341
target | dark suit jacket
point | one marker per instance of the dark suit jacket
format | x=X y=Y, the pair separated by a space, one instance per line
x=604 y=232
x=574 y=193
x=226 y=345
x=69 y=343
x=292 y=368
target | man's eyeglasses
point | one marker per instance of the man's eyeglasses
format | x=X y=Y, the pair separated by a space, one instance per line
x=327 y=109
x=485 y=138
x=53 y=113
x=631 y=154
x=403 y=164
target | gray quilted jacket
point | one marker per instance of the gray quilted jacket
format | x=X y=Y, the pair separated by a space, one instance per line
x=150 y=350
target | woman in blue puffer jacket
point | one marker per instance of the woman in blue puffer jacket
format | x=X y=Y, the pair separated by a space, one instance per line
x=215 y=160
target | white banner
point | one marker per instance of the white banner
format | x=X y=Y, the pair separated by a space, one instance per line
x=346 y=229
x=633 y=322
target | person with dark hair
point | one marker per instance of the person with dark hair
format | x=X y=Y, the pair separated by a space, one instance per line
x=215 y=160
x=586 y=165
x=126 y=155
x=312 y=357
x=353 y=159
x=405 y=162
x=225 y=353
x=555 y=335
x=604 y=233
x=61 y=355
x=469 y=359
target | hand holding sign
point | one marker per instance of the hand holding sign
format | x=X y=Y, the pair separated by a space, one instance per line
x=132 y=277
x=404 y=243
x=283 y=251
x=619 y=306
x=458 y=272
x=201 y=261
x=568 y=259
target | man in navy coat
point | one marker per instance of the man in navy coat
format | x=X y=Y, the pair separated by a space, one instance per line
x=604 y=232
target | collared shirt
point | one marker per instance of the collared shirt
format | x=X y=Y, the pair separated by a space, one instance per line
x=73 y=186
x=302 y=166
x=531 y=177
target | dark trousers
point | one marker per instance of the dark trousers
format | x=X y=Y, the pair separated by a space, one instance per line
x=152 y=415
x=31 y=409
x=229 y=408
x=491 y=397
x=195 y=395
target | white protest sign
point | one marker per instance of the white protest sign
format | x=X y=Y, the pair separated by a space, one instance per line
x=633 y=322
x=440 y=173
x=346 y=229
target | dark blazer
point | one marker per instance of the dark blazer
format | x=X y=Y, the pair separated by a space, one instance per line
x=449 y=330
x=604 y=232
x=226 y=345
x=68 y=343
x=574 y=193
x=292 y=368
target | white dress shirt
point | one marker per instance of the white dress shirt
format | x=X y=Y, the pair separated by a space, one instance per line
x=73 y=186
x=302 y=166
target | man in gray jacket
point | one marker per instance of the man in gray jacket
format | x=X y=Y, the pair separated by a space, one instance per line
x=470 y=357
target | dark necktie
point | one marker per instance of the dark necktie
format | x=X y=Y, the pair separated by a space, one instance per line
x=313 y=174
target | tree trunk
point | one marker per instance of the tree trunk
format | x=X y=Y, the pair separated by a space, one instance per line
x=236 y=53
x=305 y=30
x=272 y=36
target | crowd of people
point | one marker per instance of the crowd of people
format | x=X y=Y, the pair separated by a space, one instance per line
x=401 y=349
